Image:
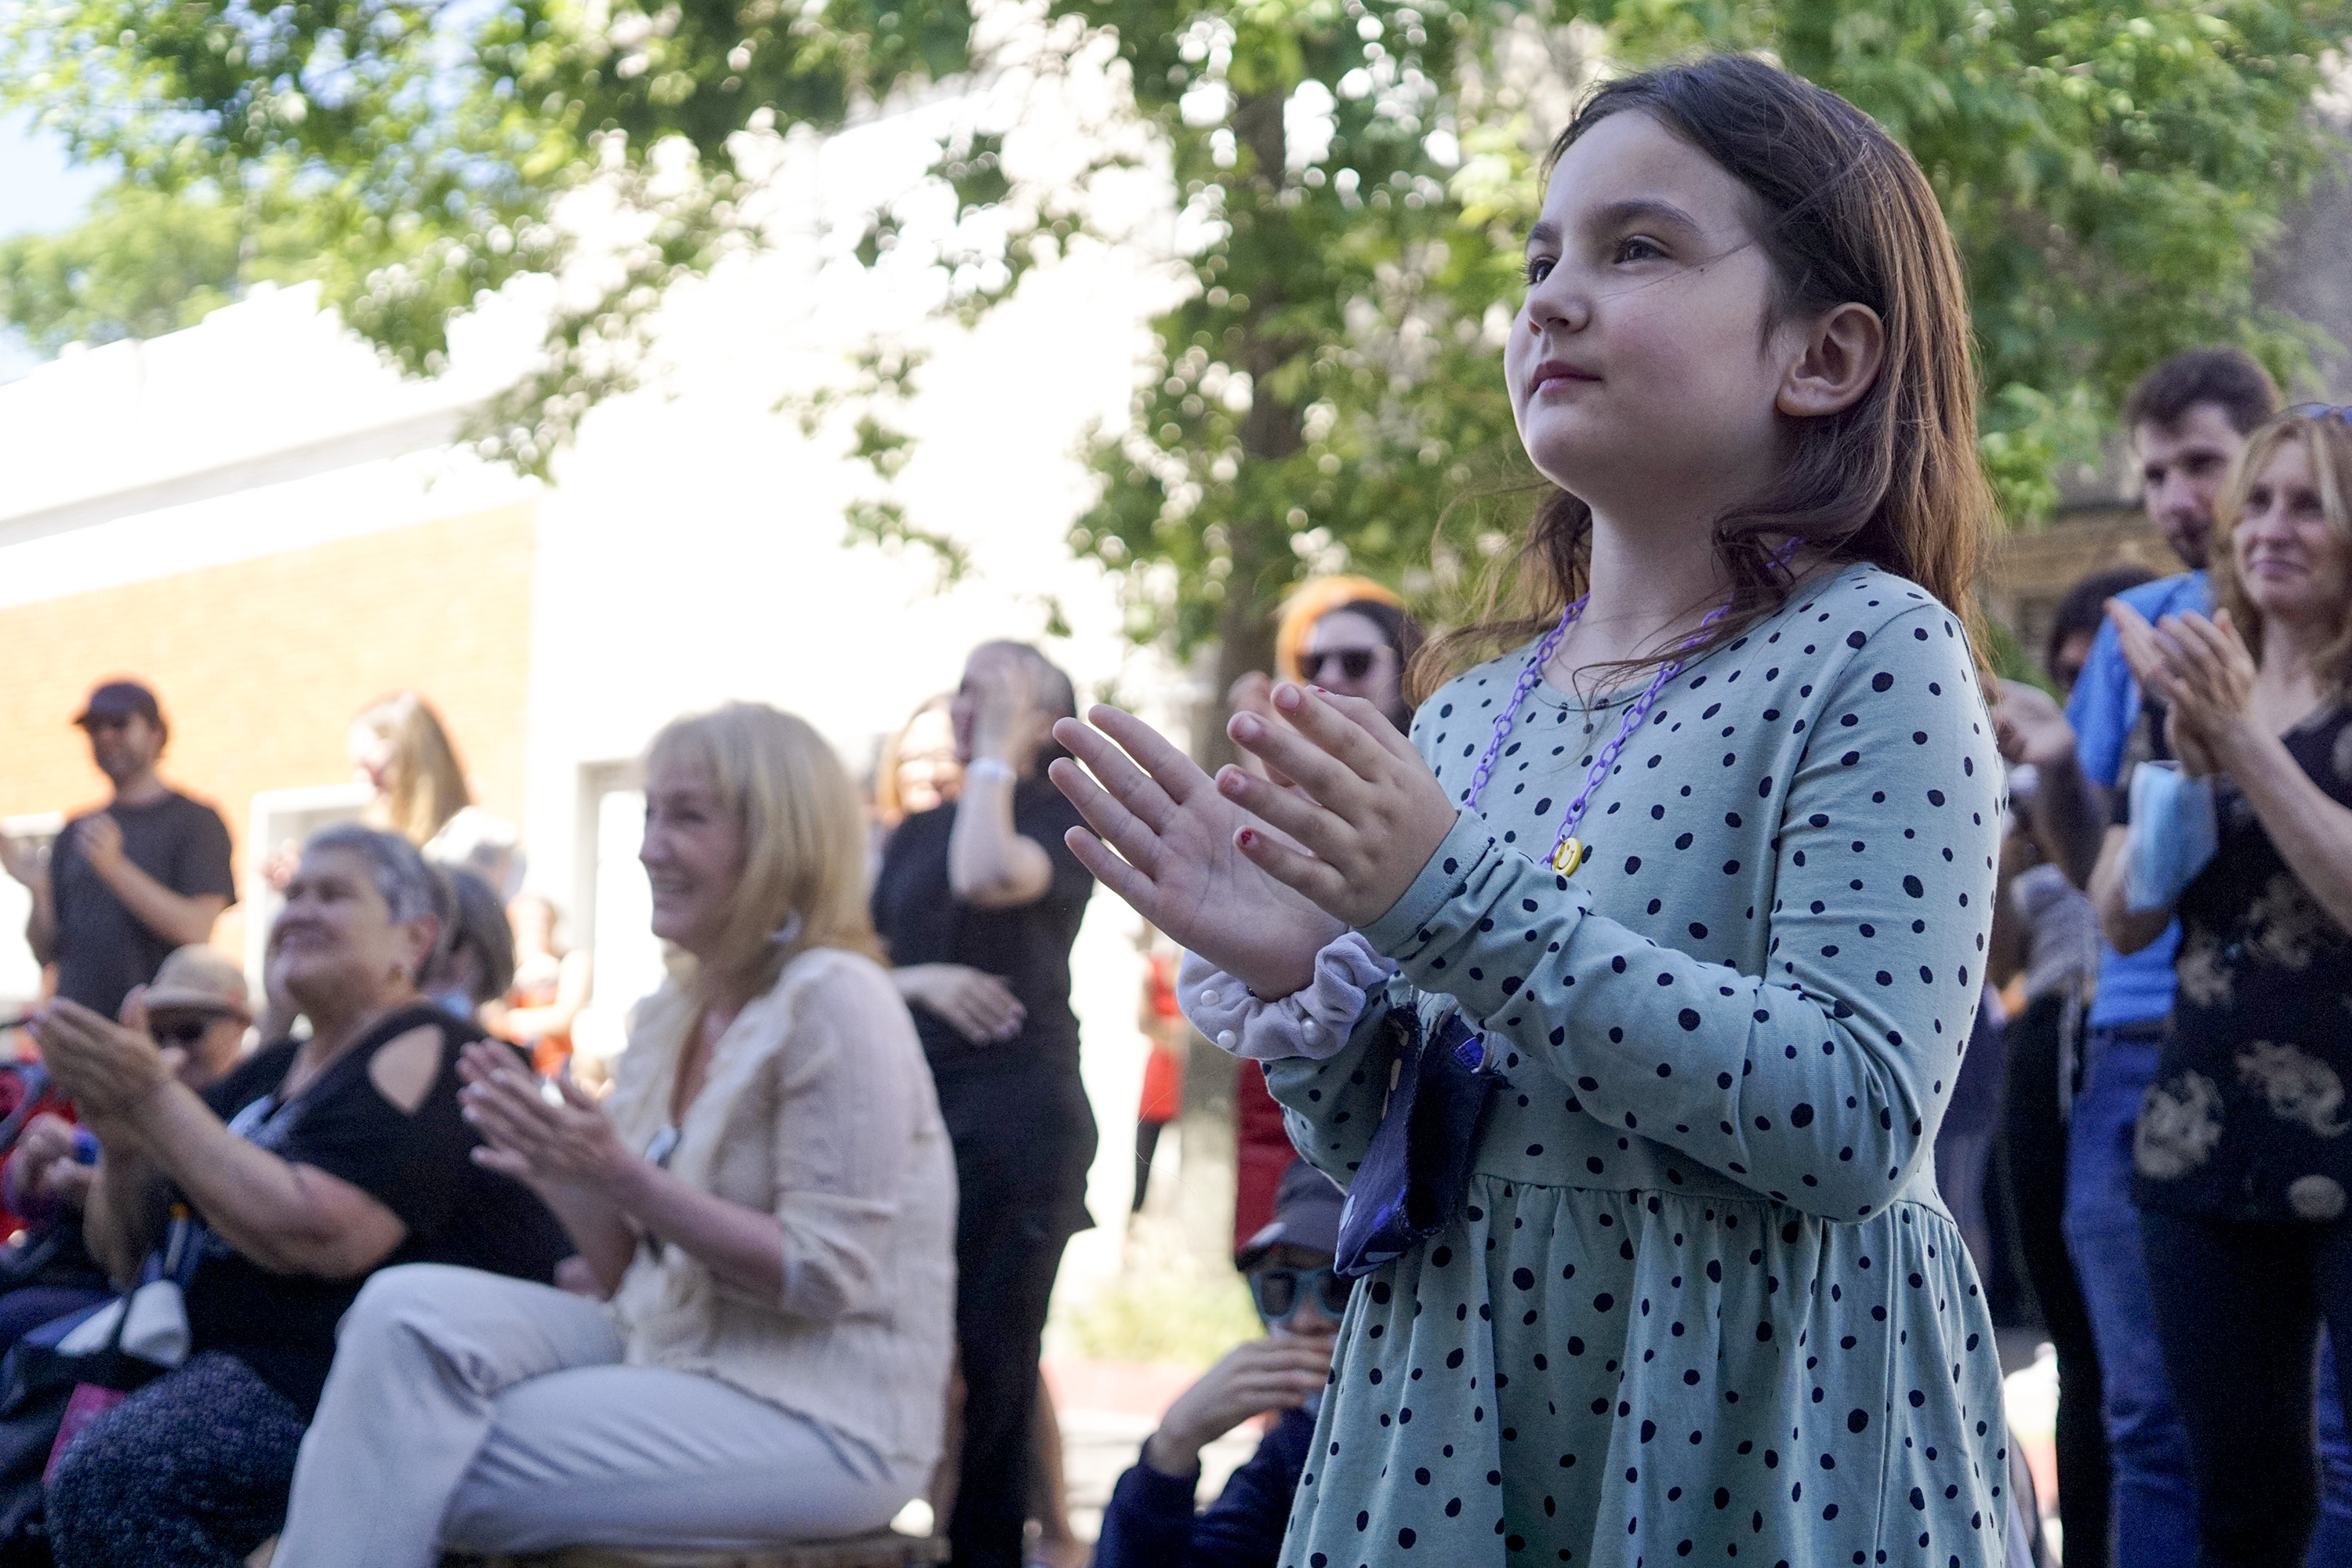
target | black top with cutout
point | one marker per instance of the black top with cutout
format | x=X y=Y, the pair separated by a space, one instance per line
x=416 y=1164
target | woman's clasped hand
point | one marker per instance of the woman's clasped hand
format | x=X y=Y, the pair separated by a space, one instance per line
x=542 y=1143
x=105 y=1067
x=2204 y=673
x=1254 y=877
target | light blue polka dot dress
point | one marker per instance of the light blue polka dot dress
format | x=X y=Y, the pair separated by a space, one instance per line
x=1705 y=1304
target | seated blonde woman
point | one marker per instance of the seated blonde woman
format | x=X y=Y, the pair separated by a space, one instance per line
x=768 y=1201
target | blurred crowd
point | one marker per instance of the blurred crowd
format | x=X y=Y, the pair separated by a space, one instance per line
x=2172 y=947
x=422 y=1267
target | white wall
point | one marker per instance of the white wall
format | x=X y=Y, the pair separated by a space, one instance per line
x=692 y=551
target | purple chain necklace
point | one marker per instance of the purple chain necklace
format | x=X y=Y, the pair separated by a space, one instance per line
x=1567 y=850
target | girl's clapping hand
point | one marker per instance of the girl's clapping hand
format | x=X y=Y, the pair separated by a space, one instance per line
x=1367 y=813
x=1166 y=841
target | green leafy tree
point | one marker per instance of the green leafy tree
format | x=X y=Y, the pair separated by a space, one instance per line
x=432 y=145
x=2111 y=174
x=139 y=265
x=1356 y=174
x=143 y=263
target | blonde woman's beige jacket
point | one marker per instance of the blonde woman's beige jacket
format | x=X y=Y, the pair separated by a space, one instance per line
x=817 y=1108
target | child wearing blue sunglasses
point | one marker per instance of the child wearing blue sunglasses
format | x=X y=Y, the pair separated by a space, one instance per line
x=1150 y=1522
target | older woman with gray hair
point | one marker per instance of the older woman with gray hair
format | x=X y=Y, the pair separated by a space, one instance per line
x=314 y=1163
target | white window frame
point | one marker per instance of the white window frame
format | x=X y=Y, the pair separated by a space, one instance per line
x=275 y=816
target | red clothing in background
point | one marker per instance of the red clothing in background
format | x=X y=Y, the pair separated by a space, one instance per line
x=1262 y=1152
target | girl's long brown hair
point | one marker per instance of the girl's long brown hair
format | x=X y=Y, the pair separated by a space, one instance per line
x=1895 y=480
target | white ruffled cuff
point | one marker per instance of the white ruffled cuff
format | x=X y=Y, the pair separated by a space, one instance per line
x=1313 y=1023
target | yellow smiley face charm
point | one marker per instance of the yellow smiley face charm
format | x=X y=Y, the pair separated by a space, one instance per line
x=1568 y=857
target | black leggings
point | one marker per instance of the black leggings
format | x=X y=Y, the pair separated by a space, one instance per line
x=2032 y=1160
x=1022 y=1143
x=1006 y=1257
x=2239 y=1307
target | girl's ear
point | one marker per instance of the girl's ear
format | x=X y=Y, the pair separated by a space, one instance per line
x=1837 y=359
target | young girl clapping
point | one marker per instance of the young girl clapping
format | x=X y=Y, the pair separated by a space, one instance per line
x=1703 y=860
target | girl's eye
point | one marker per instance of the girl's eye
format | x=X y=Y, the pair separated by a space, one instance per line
x=1636 y=249
x=1538 y=268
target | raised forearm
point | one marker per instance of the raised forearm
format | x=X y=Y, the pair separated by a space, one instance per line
x=41 y=924
x=267 y=1209
x=179 y=919
x=2126 y=928
x=125 y=1216
x=598 y=1227
x=989 y=862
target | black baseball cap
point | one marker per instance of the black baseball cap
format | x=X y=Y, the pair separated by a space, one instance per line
x=1306 y=1214
x=120 y=699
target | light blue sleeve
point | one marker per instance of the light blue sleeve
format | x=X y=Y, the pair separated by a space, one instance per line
x=2103 y=709
x=1332 y=1107
x=1821 y=1083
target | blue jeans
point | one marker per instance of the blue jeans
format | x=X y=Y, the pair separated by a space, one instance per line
x=2155 y=1492
x=2331 y=1543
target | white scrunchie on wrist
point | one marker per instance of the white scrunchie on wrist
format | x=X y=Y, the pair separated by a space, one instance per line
x=1313 y=1023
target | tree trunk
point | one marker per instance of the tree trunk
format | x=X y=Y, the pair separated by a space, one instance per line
x=1272 y=432
x=1245 y=643
x=1207 y=1173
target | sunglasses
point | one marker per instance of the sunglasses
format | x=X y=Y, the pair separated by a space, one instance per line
x=1278 y=1292
x=1355 y=663
x=2339 y=412
x=183 y=1032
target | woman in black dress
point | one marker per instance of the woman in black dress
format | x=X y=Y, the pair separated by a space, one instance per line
x=2242 y=1154
x=974 y=898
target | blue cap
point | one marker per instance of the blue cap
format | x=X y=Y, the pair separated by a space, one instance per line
x=1306 y=1215
x=120 y=699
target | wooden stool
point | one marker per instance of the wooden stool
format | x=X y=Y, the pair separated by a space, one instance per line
x=882 y=1549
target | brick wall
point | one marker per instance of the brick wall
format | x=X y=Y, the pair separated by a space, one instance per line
x=2029 y=573
x=260 y=664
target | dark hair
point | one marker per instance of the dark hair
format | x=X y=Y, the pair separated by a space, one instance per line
x=1397 y=629
x=2228 y=378
x=475 y=926
x=2084 y=607
x=1056 y=690
x=1895 y=480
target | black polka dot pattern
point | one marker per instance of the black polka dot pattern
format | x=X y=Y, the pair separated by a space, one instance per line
x=1703 y=1302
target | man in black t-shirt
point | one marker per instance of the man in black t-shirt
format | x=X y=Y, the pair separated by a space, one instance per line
x=126 y=885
